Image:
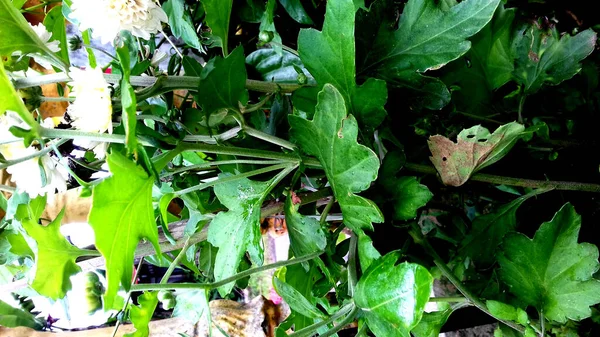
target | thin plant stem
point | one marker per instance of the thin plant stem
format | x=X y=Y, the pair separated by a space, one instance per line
x=202 y=186
x=214 y=285
x=215 y=164
x=418 y=237
x=542 y=324
x=57 y=99
x=521 y=106
x=448 y=299
x=137 y=270
x=349 y=309
x=175 y=262
x=501 y=180
x=270 y=138
x=6 y=188
x=347 y=320
x=171 y=43
x=240 y=151
x=90 y=46
x=40 y=153
x=326 y=211
x=352 y=274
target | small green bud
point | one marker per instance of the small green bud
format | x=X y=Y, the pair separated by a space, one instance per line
x=302 y=79
x=265 y=36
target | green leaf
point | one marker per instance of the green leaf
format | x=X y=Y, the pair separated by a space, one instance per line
x=181 y=23
x=141 y=314
x=306 y=234
x=55 y=258
x=489 y=229
x=55 y=24
x=217 y=18
x=10 y=99
x=296 y=301
x=487 y=66
x=223 y=83
x=349 y=166
x=192 y=305
x=543 y=57
x=476 y=148
x=17 y=35
x=431 y=323
x=330 y=55
x=12 y=317
x=502 y=310
x=393 y=295
x=128 y=101
x=409 y=196
x=428 y=37
x=366 y=251
x=552 y=272
x=296 y=11
x=274 y=67
x=237 y=230
x=121 y=217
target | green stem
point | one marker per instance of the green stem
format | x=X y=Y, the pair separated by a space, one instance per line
x=57 y=99
x=214 y=285
x=90 y=46
x=92 y=136
x=87 y=41
x=501 y=180
x=254 y=107
x=270 y=138
x=215 y=164
x=40 y=153
x=202 y=186
x=352 y=274
x=137 y=270
x=215 y=139
x=448 y=299
x=347 y=320
x=418 y=237
x=6 y=188
x=349 y=309
x=521 y=105
x=240 y=151
x=175 y=262
x=542 y=324
x=323 y=219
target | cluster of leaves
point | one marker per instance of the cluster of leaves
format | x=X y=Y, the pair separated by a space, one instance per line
x=336 y=102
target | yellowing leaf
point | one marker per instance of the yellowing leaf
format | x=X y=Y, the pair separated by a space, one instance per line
x=121 y=216
x=475 y=149
x=552 y=272
x=350 y=167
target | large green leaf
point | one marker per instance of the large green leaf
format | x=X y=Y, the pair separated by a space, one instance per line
x=329 y=55
x=408 y=196
x=349 y=166
x=141 y=314
x=12 y=317
x=487 y=66
x=17 y=35
x=218 y=13
x=431 y=323
x=237 y=230
x=543 y=57
x=393 y=296
x=430 y=34
x=10 y=99
x=489 y=229
x=223 y=83
x=306 y=234
x=55 y=258
x=552 y=272
x=475 y=149
x=181 y=23
x=296 y=11
x=121 y=216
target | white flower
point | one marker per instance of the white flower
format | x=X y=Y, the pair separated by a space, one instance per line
x=92 y=109
x=108 y=17
x=36 y=176
x=45 y=36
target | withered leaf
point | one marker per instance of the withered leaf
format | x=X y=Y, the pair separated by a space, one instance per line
x=475 y=149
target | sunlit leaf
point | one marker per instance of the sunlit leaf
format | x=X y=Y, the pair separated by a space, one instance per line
x=122 y=217
x=295 y=300
x=12 y=317
x=141 y=314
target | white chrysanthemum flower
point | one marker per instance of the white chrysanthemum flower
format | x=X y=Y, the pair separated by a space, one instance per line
x=45 y=36
x=92 y=109
x=36 y=176
x=108 y=17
